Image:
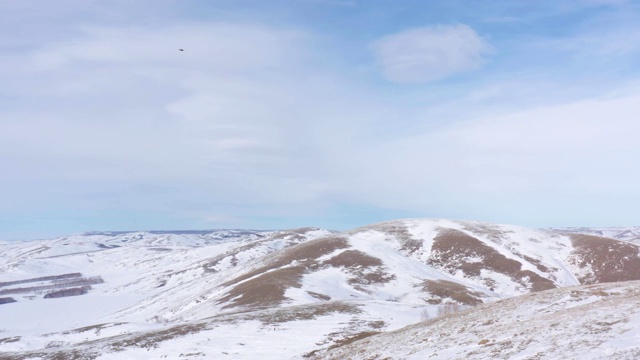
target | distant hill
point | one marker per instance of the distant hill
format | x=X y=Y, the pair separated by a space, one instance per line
x=631 y=234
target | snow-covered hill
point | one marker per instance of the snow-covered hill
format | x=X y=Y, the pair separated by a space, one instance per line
x=583 y=322
x=277 y=294
x=631 y=234
x=134 y=267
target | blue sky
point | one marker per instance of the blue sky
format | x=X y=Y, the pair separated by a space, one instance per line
x=325 y=113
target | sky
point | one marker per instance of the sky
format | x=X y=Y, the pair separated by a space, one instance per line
x=329 y=113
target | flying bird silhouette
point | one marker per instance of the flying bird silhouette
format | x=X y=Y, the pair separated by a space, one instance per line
x=180 y=49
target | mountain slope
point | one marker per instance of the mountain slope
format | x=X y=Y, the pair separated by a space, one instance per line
x=583 y=322
x=134 y=267
x=423 y=262
x=248 y=293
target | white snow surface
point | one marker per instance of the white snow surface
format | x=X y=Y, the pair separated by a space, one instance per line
x=165 y=295
x=586 y=322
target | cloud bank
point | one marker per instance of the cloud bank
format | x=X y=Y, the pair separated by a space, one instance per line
x=259 y=123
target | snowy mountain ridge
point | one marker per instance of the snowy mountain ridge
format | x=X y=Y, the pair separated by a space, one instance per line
x=244 y=294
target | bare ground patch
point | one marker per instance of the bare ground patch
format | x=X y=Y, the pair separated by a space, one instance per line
x=266 y=284
x=537 y=263
x=152 y=339
x=42 y=278
x=365 y=269
x=356 y=337
x=307 y=312
x=448 y=289
x=319 y=296
x=356 y=329
x=452 y=250
x=305 y=254
x=97 y=328
x=57 y=355
x=609 y=260
x=264 y=290
x=55 y=285
x=10 y=339
x=341 y=342
x=353 y=258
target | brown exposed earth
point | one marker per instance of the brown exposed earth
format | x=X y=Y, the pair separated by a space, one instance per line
x=442 y=289
x=609 y=260
x=266 y=284
x=264 y=290
x=307 y=312
x=292 y=237
x=452 y=250
x=351 y=258
x=365 y=269
x=305 y=254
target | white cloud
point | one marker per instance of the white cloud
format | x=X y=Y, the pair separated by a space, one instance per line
x=219 y=46
x=126 y=97
x=247 y=123
x=547 y=164
x=226 y=122
x=429 y=53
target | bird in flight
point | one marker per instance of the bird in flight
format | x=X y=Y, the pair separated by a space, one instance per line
x=180 y=49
